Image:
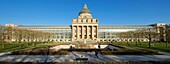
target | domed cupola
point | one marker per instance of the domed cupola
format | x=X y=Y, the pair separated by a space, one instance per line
x=85 y=10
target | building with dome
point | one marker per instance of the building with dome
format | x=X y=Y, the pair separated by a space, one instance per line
x=85 y=27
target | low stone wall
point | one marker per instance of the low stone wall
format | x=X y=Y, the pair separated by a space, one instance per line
x=95 y=46
x=101 y=46
x=62 y=47
x=5 y=53
x=105 y=46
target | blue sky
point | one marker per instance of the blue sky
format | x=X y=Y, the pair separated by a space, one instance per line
x=61 y=12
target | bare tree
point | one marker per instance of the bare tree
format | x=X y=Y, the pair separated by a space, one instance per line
x=124 y=35
x=1 y=33
x=167 y=34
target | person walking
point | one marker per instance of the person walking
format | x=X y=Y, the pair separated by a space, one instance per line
x=99 y=45
x=96 y=54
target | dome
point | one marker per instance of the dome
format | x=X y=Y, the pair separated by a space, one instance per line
x=85 y=10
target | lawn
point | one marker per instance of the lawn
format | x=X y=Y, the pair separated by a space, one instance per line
x=5 y=47
x=161 y=46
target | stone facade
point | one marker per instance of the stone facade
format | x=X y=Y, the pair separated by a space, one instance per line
x=84 y=27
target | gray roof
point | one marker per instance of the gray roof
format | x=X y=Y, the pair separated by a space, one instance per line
x=85 y=10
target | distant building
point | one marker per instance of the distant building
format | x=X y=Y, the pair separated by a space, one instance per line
x=85 y=27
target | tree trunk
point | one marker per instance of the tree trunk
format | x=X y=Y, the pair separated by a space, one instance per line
x=166 y=43
x=127 y=42
x=20 y=38
x=149 y=40
x=137 y=42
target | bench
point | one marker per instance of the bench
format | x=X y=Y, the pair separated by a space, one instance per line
x=81 y=59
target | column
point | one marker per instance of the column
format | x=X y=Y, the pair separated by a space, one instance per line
x=72 y=32
x=77 y=32
x=82 y=29
x=87 y=32
x=92 y=32
x=97 y=31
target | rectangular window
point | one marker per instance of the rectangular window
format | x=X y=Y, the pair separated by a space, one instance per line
x=90 y=36
x=82 y=20
x=61 y=36
x=80 y=36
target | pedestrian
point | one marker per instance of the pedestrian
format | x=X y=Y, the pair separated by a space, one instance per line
x=96 y=54
x=99 y=45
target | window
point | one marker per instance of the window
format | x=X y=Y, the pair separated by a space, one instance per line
x=80 y=36
x=62 y=37
x=90 y=36
x=85 y=17
x=82 y=20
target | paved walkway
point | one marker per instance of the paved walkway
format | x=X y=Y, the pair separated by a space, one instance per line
x=73 y=55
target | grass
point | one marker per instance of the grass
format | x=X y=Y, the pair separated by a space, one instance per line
x=5 y=47
x=161 y=46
